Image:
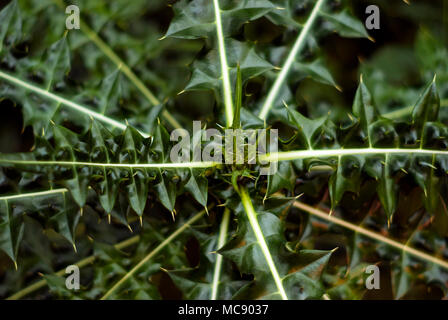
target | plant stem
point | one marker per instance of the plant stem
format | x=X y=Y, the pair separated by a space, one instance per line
x=371 y=234
x=205 y=164
x=34 y=194
x=252 y=216
x=82 y=263
x=298 y=45
x=153 y=253
x=221 y=241
x=227 y=90
x=303 y=154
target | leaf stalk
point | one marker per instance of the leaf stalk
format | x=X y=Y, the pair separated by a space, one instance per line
x=227 y=90
x=298 y=45
x=252 y=216
x=218 y=265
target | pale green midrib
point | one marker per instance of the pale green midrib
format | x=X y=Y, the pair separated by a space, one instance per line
x=153 y=253
x=82 y=263
x=227 y=90
x=34 y=194
x=303 y=154
x=125 y=69
x=66 y=102
x=205 y=164
x=298 y=45
x=407 y=110
x=218 y=265
x=252 y=216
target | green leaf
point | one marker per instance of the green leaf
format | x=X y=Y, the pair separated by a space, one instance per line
x=346 y=25
x=316 y=70
x=285 y=14
x=196 y=19
x=134 y=148
x=347 y=177
x=112 y=92
x=57 y=287
x=56 y=63
x=166 y=189
x=11 y=27
x=387 y=189
x=56 y=205
x=425 y=112
x=284 y=178
x=76 y=182
x=67 y=219
x=364 y=109
x=305 y=283
x=193 y=290
x=426 y=109
x=11 y=230
x=107 y=187
x=250 y=121
x=307 y=127
x=207 y=73
x=197 y=185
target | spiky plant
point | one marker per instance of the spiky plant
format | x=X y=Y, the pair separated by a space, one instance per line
x=97 y=189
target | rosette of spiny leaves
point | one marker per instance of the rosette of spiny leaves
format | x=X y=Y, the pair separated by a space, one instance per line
x=316 y=139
